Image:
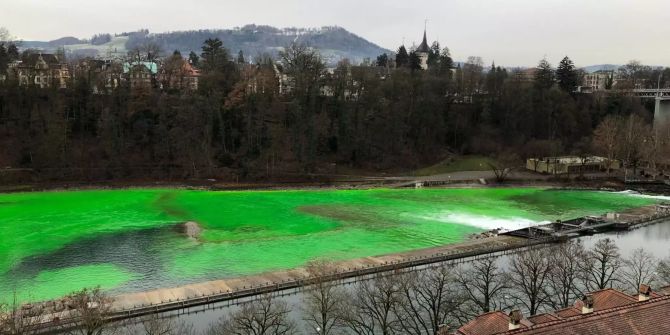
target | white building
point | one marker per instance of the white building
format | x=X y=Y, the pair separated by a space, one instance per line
x=597 y=81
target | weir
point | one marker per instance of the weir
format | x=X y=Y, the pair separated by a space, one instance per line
x=205 y=294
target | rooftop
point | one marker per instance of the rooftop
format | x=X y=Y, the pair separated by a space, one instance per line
x=613 y=313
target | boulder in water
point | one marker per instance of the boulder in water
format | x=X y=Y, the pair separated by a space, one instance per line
x=190 y=229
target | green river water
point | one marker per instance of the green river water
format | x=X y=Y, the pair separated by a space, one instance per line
x=52 y=243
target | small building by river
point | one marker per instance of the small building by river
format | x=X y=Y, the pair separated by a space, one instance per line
x=572 y=164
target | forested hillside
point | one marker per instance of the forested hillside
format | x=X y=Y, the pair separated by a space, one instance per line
x=239 y=124
x=334 y=43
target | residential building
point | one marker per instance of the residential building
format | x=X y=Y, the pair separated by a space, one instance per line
x=102 y=75
x=605 y=312
x=525 y=75
x=41 y=70
x=571 y=164
x=141 y=73
x=179 y=74
x=597 y=81
x=285 y=82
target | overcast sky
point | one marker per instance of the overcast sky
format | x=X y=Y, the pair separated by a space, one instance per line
x=509 y=32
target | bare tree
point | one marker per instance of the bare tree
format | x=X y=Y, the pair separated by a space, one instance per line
x=17 y=319
x=90 y=307
x=156 y=325
x=663 y=271
x=5 y=36
x=372 y=305
x=265 y=316
x=473 y=75
x=632 y=142
x=639 y=268
x=601 y=265
x=324 y=300
x=530 y=274
x=605 y=138
x=484 y=285
x=564 y=276
x=504 y=165
x=429 y=299
x=657 y=147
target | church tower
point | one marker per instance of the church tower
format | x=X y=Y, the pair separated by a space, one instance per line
x=423 y=52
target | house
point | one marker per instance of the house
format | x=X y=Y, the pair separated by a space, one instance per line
x=102 y=75
x=605 y=312
x=41 y=70
x=179 y=74
x=141 y=73
x=525 y=75
x=571 y=164
x=285 y=82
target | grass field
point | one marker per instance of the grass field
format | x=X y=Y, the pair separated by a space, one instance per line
x=462 y=163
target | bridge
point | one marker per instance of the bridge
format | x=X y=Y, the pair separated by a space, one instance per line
x=662 y=96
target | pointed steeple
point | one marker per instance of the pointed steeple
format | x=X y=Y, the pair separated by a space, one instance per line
x=424 y=44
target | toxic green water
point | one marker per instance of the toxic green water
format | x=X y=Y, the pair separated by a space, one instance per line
x=124 y=240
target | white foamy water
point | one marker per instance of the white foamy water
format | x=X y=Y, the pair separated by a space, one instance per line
x=647 y=196
x=486 y=222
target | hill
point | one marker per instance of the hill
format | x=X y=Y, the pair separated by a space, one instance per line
x=334 y=43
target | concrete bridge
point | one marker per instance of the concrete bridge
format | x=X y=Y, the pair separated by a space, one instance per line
x=662 y=110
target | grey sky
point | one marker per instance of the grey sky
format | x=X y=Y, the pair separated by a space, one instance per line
x=510 y=32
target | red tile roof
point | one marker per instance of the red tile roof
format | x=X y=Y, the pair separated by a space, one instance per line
x=542 y=318
x=642 y=318
x=487 y=324
x=614 y=313
x=608 y=298
x=568 y=312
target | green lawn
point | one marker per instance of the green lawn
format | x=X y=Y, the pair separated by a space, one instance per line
x=464 y=163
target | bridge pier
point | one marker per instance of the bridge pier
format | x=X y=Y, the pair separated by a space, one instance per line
x=662 y=112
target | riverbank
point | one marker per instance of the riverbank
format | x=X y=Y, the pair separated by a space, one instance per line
x=332 y=182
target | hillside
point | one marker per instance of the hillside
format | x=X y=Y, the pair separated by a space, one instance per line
x=334 y=43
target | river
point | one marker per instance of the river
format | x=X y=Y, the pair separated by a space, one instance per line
x=127 y=241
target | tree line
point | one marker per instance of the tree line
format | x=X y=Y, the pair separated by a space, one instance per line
x=292 y=115
x=538 y=280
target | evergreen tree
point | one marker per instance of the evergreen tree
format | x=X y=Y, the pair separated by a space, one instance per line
x=491 y=79
x=414 y=61
x=434 y=54
x=13 y=52
x=446 y=63
x=402 y=57
x=4 y=59
x=567 y=75
x=240 y=58
x=214 y=55
x=544 y=77
x=193 y=58
x=382 y=60
x=176 y=53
